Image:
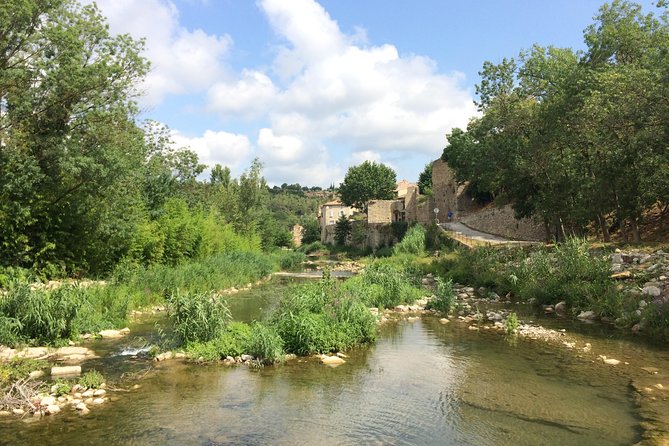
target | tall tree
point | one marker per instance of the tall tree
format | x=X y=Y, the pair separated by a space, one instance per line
x=365 y=182
x=69 y=142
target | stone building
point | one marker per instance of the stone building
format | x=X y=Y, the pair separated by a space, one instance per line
x=329 y=213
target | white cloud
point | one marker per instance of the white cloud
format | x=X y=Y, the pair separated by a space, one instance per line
x=332 y=89
x=249 y=96
x=227 y=149
x=182 y=61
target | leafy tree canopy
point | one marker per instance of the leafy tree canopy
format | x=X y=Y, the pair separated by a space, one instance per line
x=365 y=182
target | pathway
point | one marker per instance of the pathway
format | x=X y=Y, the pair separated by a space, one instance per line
x=472 y=238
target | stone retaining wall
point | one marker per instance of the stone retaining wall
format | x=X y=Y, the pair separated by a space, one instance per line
x=502 y=222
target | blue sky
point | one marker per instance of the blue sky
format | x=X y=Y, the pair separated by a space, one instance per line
x=312 y=88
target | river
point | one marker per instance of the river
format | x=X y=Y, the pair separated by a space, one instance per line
x=422 y=383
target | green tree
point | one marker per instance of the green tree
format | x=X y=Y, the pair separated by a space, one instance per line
x=343 y=229
x=425 y=180
x=70 y=147
x=365 y=182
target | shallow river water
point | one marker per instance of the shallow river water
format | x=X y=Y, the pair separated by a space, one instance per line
x=422 y=383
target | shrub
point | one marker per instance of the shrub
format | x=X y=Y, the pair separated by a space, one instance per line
x=38 y=316
x=387 y=283
x=343 y=229
x=444 y=296
x=62 y=387
x=413 y=242
x=322 y=317
x=234 y=341
x=91 y=379
x=511 y=324
x=265 y=343
x=197 y=317
x=18 y=368
x=313 y=247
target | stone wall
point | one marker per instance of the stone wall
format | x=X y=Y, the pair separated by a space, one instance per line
x=444 y=189
x=377 y=235
x=384 y=211
x=502 y=222
x=298 y=232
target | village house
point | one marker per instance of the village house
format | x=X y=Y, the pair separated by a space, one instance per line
x=330 y=212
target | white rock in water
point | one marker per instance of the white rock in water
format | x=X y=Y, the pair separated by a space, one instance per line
x=88 y=394
x=52 y=409
x=99 y=392
x=443 y=320
x=81 y=406
x=332 y=360
x=587 y=315
x=65 y=371
x=611 y=361
x=99 y=400
x=18 y=411
x=111 y=333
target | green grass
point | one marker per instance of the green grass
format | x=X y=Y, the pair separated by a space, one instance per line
x=91 y=379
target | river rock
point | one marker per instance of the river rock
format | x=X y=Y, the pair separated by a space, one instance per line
x=98 y=401
x=332 y=360
x=53 y=409
x=651 y=290
x=110 y=333
x=247 y=358
x=650 y=370
x=71 y=370
x=587 y=315
x=81 y=406
x=444 y=320
x=88 y=393
x=99 y=392
x=36 y=374
x=34 y=352
x=18 y=411
x=5 y=413
x=561 y=308
x=611 y=361
x=47 y=401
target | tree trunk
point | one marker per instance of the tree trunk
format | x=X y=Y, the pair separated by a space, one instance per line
x=634 y=222
x=623 y=229
x=604 y=228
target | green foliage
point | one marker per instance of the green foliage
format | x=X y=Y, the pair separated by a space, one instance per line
x=18 y=368
x=312 y=231
x=573 y=138
x=511 y=324
x=62 y=387
x=233 y=341
x=197 y=317
x=365 y=182
x=425 y=180
x=313 y=247
x=343 y=229
x=91 y=379
x=265 y=343
x=322 y=317
x=387 y=283
x=444 y=296
x=38 y=316
x=413 y=242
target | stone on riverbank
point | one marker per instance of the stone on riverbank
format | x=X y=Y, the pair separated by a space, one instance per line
x=587 y=315
x=333 y=361
x=114 y=333
x=71 y=370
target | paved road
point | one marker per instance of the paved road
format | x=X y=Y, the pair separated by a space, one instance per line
x=478 y=236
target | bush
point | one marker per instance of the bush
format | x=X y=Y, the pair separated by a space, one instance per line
x=197 y=317
x=91 y=379
x=234 y=341
x=38 y=316
x=313 y=247
x=18 y=368
x=322 y=317
x=387 y=283
x=444 y=296
x=265 y=343
x=511 y=325
x=413 y=242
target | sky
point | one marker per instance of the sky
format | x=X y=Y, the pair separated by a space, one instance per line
x=312 y=88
